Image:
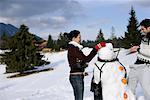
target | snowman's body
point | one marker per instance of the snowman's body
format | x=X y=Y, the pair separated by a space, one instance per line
x=112 y=77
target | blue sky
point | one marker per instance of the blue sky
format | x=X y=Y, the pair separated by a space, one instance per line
x=45 y=17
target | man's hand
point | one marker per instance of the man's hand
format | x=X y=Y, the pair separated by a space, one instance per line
x=133 y=49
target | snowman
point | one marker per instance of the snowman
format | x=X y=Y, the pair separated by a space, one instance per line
x=110 y=74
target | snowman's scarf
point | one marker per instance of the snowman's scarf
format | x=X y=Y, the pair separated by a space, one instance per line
x=121 y=64
x=105 y=61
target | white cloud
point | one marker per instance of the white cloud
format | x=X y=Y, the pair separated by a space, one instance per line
x=8 y=20
x=37 y=13
x=99 y=22
x=59 y=19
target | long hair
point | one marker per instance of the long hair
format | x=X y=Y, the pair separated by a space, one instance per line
x=72 y=34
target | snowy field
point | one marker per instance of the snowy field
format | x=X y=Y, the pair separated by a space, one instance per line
x=53 y=85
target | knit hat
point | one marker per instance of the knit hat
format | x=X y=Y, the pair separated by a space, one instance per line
x=107 y=53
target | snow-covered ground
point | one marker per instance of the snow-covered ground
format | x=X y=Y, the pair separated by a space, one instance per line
x=53 y=85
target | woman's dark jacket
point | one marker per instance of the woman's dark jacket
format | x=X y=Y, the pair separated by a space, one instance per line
x=75 y=55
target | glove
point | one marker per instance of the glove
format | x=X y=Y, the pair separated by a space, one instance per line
x=99 y=45
x=103 y=44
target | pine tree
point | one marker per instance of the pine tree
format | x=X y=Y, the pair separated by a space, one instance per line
x=88 y=43
x=100 y=37
x=56 y=46
x=23 y=54
x=62 y=41
x=50 y=43
x=112 y=33
x=4 y=41
x=113 y=39
x=132 y=36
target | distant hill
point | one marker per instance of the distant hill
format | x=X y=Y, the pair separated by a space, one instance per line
x=10 y=30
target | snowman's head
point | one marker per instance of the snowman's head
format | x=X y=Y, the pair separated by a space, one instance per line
x=107 y=52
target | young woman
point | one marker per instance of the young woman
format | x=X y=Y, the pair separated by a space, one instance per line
x=77 y=62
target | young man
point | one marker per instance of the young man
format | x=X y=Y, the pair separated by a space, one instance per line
x=140 y=71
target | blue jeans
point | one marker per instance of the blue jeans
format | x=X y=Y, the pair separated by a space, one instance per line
x=77 y=82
